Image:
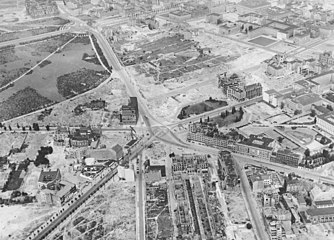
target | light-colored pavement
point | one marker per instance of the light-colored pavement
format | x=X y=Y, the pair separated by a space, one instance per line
x=32 y=38
x=251 y=204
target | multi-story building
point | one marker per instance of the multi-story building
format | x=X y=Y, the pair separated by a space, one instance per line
x=326 y=58
x=60 y=136
x=234 y=87
x=208 y=134
x=38 y=9
x=49 y=179
x=253 y=90
x=272 y=97
x=286 y=157
x=326 y=122
x=190 y=164
x=256 y=146
x=130 y=112
x=84 y=136
x=320 y=215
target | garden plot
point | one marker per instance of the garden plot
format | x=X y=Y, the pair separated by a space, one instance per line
x=109 y=215
x=68 y=74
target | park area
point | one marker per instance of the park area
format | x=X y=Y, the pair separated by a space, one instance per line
x=42 y=73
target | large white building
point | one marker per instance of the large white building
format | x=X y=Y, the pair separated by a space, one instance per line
x=326 y=122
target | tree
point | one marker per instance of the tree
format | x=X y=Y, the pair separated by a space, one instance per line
x=35 y=126
x=1 y=125
x=30 y=128
x=47 y=128
x=250 y=28
x=210 y=99
x=331 y=146
x=227 y=113
x=4 y=128
x=241 y=110
x=23 y=128
x=282 y=105
x=233 y=110
x=200 y=120
x=307 y=152
x=222 y=115
x=323 y=140
x=10 y=128
x=325 y=153
x=329 y=107
x=296 y=112
x=315 y=120
x=312 y=114
x=208 y=119
x=249 y=226
x=17 y=125
x=280 y=139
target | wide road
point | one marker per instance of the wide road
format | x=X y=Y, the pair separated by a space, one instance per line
x=44 y=233
x=252 y=205
x=216 y=112
x=307 y=174
x=32 y=38
x=141 y=200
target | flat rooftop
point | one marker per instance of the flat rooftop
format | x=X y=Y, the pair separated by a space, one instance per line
x=320 y=211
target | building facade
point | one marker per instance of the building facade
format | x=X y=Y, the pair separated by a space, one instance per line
x=130 y=112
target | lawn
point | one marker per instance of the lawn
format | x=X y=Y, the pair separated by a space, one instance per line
x=26 y=33
x=202 y=107
x=302 y=137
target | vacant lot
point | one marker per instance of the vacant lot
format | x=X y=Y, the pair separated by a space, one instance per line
x=202 y=107
x=263 y=41
x=170 y=57
x=111 y=215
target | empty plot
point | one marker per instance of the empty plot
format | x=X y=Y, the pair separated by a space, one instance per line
x=263 y=41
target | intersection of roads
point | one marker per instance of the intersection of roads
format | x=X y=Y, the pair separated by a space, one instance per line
x=162 y=132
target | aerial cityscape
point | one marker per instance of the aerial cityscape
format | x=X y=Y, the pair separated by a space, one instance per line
x=166 y=119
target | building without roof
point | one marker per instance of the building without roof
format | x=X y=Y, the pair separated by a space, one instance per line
x=287 y=157
x=256 y=146
x=49 y=179
x=190 y=164
x=326 y=58
x=130 y=112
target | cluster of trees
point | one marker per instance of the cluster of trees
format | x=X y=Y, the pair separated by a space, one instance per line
x=325 y=154
x=41 y=157
x=34 y=127
x=238 y=118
